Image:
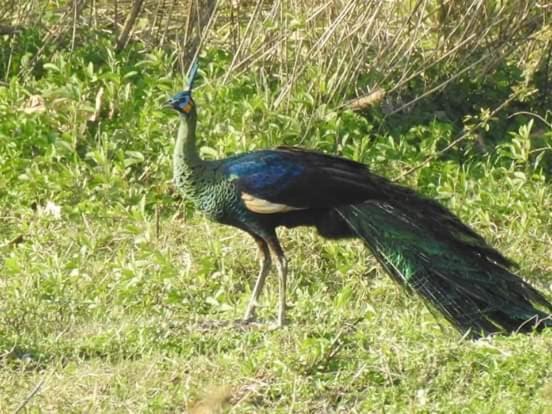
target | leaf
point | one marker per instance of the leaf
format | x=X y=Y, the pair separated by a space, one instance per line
x=130 y=74
x=52 y=67
x=133 y=158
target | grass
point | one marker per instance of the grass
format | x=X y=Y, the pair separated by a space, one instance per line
x=107 y=275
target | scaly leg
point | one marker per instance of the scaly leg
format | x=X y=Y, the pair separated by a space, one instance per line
x=281 y=265
x=259 y=284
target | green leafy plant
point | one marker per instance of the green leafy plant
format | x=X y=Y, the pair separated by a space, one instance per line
x=107 y=275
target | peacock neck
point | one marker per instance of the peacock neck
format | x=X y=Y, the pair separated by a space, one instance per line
x=185 y=150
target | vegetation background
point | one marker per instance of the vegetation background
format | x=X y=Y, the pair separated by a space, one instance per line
x=106 y=274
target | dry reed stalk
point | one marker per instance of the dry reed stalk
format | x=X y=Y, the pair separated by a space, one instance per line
x=325 y=46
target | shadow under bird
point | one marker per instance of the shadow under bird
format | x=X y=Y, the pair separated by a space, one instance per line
x=419 y=243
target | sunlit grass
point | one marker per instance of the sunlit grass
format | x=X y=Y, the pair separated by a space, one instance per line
x=106 y=275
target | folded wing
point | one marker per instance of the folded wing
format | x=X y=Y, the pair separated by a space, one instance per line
x=290 y=178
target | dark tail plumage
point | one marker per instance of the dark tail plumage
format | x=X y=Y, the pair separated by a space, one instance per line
x=425 y=247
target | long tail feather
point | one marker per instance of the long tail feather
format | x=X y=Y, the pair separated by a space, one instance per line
x=425 y=247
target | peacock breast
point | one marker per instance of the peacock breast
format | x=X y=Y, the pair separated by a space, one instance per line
x=218 y=200
x=210 y=191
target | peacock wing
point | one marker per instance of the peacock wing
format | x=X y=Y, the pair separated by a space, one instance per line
x=289 y=178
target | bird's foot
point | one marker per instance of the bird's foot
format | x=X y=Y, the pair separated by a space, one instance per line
x=247 y=323
x=240 y=324
x=250 y=316
x=278 y=324
x=212 y=324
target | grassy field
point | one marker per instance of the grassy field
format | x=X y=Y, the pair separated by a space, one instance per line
x=107 y=276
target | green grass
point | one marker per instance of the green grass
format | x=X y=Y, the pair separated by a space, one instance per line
x=102 y=304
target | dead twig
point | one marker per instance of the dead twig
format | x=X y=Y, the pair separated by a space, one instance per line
x=456 y=141
x=367 y=101
x=336 y=344
x=129 y=24
x=544 y=121
x=98 y=107
x=31 y=395
x=15 y=241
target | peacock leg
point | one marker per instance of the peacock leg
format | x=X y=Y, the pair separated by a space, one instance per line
x=281 y=265
x=259 y=284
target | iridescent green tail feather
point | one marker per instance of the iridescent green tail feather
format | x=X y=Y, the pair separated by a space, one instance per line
x=428 y=250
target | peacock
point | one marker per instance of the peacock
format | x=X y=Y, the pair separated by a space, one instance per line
x=418 y=242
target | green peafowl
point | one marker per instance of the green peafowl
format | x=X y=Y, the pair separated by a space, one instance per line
x=420 y=243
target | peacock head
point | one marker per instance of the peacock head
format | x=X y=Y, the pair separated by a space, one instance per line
x=182 y=102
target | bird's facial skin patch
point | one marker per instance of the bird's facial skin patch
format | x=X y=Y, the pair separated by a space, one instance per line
x=187 y=108
x=182 y=102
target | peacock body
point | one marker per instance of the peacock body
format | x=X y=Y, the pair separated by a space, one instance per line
x=420 y=243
